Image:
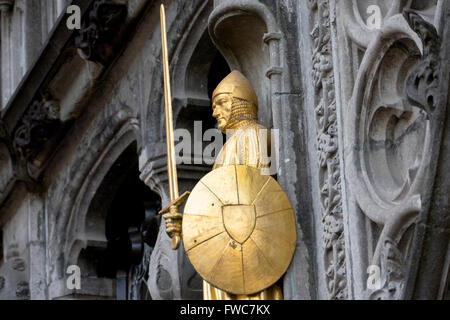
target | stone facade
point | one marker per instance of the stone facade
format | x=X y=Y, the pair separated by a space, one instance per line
x=358 y=90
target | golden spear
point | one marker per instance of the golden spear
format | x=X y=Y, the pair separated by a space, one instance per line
x=175 y=200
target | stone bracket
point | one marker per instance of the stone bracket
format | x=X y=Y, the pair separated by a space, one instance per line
x=101 y=31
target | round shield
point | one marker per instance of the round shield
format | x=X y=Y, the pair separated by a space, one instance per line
x=239 y=229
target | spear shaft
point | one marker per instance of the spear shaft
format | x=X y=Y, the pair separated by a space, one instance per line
x=171 y=160
x=175 y=200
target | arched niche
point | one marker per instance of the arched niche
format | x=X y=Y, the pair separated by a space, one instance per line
x=110 y=207
x=247 y=35
x=197 y=68
x=128 y=213
x=81 y=225
x=116 y=236
x=203 y=72
x=206 y=68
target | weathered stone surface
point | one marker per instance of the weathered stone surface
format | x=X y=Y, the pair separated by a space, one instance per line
x=390 y=91
x=101 y=30
x=362 y=114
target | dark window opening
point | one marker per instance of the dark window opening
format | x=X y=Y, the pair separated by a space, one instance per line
x=132 y=220
x=208 y=73
x=219 y=70
x=122 y=224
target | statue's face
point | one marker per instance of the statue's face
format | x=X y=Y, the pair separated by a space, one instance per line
x=222 y=109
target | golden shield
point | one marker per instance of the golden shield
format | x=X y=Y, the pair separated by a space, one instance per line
x=239 y=229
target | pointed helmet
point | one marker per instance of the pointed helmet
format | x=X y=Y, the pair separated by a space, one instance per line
x=238 y=86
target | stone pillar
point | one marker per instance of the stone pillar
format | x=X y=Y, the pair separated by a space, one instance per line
x=5 y=12
x=274 y=73
x=37 y=248
x=171 y=275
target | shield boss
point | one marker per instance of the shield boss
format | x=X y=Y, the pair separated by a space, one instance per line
x=239 y=229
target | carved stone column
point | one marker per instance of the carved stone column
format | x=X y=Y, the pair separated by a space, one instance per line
x=171 y=275
x=328 y=147
x=7 y=85
x=163 y=277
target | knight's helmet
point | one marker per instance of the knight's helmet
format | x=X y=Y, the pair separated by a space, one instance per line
x=245 y=101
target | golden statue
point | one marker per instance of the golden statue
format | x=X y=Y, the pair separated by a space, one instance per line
x=238 y=226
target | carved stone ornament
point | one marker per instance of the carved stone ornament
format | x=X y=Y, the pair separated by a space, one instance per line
x=23 y=290
x=388 y=131
x=100 y=30
x=328 y=151
x=142 y=241
x=145 y=233
x=422 y=84
x=392 y=271
x=36 y=127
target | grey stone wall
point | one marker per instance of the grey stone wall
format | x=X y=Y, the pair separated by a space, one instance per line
x=362 y=154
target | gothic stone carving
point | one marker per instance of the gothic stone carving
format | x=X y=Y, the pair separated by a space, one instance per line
x=392 y=271
x=143 y=240
x=23 y=290
x=328 y=147
x=100 y=31
x=171 y=276
x=36 y=126
x=422 y=85
x=389 y=132
x=139 y=289
x=14 y=275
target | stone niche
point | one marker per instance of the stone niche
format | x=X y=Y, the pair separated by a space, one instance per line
x=246 y=34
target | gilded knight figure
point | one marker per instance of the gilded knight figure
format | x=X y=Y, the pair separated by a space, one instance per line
x=238 y=226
